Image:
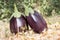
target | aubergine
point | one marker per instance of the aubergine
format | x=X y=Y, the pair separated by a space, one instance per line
x=36 y=22
x=18 y=24
x=17 y=21
x=39 y=15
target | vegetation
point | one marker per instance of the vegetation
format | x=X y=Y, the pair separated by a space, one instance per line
x=46 y=7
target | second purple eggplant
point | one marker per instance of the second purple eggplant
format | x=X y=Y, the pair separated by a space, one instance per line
x=36 y=22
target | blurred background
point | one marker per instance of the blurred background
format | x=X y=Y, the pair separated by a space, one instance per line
x=50 y=10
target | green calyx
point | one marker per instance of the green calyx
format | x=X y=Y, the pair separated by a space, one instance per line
x=16 y=12
x=31 y=11
x=28 y=10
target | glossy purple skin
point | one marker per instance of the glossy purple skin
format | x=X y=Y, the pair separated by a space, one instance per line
x=41 y=18
x=37 y=25
x=13 y=24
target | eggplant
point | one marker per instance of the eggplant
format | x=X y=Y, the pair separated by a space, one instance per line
x=36 y=22
x=39 y=15
x=18 y=24
x=17 y=21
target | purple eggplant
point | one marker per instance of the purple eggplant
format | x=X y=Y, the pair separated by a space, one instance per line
x=18 y=24
x=36 y=22
x=41 y=18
